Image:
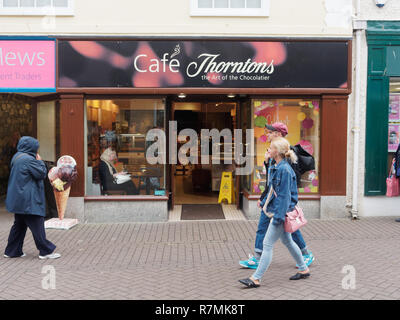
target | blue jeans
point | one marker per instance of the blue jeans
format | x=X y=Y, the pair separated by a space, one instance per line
x=274 y=233
x=262 y=230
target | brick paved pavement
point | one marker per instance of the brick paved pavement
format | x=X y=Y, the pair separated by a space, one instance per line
x=199 y=260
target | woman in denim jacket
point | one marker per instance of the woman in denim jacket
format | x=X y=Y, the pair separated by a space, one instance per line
x=283 y=182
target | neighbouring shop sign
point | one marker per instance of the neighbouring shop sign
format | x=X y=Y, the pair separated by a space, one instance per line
x=222 y=64
x=27 y=65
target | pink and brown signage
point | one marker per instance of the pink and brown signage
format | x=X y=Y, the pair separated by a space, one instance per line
x=203 y=63
x=27 y=65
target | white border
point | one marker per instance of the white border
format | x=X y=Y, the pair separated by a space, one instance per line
x=38 y=11
x=195 y=11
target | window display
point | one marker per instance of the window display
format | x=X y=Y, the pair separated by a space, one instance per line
x=116 y=146
x=301 y=116
x=17 y=121
x=394 y=115
x=394 y=119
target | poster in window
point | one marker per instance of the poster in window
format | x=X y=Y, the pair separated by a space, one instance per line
x=394 y=108
x=394 y=137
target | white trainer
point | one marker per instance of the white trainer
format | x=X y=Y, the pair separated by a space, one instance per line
x=23 y=255
x=50 y=256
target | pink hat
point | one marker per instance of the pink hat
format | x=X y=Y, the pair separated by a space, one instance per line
x=278 y=126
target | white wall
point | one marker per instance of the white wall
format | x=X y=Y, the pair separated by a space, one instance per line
x=390 y=11
x=154 y=17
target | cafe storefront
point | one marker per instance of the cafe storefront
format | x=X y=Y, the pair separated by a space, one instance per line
x=112 y=92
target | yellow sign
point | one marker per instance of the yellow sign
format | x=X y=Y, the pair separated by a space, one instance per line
x=226 y=188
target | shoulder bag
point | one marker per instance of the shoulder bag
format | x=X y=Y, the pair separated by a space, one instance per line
x=392 y=183
x=294 y=219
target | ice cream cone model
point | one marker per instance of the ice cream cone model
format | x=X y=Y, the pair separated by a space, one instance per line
x=61 y=201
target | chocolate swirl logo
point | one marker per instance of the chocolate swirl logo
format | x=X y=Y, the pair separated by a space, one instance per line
x=177 y=50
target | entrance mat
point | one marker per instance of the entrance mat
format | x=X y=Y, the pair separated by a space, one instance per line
x=202 y=212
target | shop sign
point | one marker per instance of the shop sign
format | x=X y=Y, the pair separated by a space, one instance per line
x=222 y=64
x=27 y=65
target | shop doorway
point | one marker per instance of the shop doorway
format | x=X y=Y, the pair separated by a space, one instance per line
x=199 y=184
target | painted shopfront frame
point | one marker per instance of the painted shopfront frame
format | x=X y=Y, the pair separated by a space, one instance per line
x=334 y=98
x=383 y=38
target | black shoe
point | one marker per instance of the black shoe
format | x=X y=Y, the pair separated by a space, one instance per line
x=299 y=276
x=21 y=256
x=249 y=283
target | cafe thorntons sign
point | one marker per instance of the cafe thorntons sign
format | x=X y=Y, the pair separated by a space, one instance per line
x=223 y=64
x=27 y=65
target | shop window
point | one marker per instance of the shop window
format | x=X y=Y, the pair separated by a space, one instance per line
x=37 y=7
x=302 y=119
x=394 y=119
x=116 y=143
x=258 y=8
x=17 y=121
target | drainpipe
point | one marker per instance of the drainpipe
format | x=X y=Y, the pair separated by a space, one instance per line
x=358 y=26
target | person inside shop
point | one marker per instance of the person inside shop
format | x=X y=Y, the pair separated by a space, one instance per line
x=133 y=127
x=108 y=174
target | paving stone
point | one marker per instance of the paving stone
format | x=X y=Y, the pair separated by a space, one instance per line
x=199 y=260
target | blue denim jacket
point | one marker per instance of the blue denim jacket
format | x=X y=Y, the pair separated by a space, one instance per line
x=283 y=180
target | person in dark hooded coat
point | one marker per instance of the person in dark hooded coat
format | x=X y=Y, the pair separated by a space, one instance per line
x=26 y=199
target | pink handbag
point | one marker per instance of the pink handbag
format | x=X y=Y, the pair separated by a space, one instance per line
x=392 y=184
x=294 y=220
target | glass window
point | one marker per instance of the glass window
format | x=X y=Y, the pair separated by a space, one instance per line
x=27 y=3
x=43 y=3
x=256 y=8
x=221 y=4
x=116 y=147
x=10 y=3
x=253 y=4
x=47 y=129
x=37 y=7
x=302 y=119
x=61 y=3
x=16 y=114
x=394 y=119
x=205 y=3
x=238 y=3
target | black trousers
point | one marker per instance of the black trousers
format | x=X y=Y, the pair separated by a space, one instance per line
x=18 y=232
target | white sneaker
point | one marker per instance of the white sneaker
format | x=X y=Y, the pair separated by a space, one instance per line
x=50 y=256
x=23 y=255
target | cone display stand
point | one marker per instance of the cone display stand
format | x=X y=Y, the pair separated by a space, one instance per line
x=61 y=201
x=61 y=223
